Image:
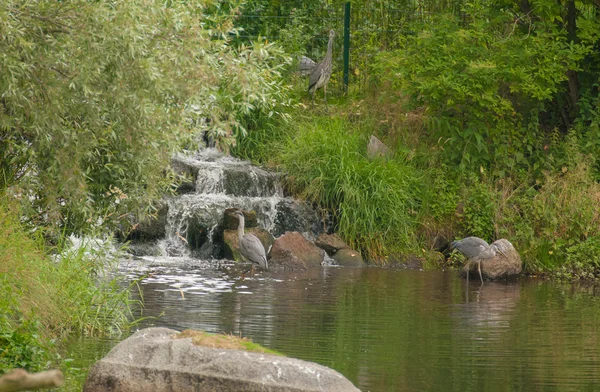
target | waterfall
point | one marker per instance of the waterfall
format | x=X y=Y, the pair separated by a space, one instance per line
x=194 y=221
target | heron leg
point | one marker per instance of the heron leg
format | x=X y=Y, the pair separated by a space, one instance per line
x=479 y=269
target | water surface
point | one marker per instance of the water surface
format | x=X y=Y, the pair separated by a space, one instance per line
x=390 y=330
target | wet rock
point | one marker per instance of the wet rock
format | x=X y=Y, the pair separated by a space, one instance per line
x=223 y=174
x=330 y=243
x=413 y=262
x=144 y=249
x=153 y=360
x=250 y=181
x=230 y=222
x=231 y=249
x=292 y=251
x=505 y=264
x=295 y=215
x=151 y=227
x=402 y=261
x=187 y=174
x=376 y=148
x=349 y=258
x=440 y=243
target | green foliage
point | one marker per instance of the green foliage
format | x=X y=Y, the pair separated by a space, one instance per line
x=374 y=202
x=21 y=345
x=546 y=220
x=43 y=299
x=440 y=195
x=479 y=210
x=583 y=259
x=96 y=96
x=485 y=87
x=265 y=135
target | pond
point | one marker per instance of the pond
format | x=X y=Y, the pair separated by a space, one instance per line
x=389 y=330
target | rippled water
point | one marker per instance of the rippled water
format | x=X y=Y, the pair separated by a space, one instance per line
x=390 y=330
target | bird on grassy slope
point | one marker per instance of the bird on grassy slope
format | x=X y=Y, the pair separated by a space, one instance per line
x=319 y=76
x=305 y=65
x=250 y=246
x=475 y=249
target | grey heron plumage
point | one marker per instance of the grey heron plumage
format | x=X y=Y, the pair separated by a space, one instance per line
x=475 y=249
x=319 y=76
x=305 y=65
x=250 y=246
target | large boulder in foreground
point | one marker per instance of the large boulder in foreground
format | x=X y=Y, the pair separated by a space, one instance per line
x=154 y=359
x=292 y=251
x=505 y=264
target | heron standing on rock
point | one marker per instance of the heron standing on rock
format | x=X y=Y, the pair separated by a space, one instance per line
x=475 y=249
x=319 y=76
x=250 y=246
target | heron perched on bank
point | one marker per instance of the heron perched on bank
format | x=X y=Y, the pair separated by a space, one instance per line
x=476 y=250
x=250 y=246
x=319 y=76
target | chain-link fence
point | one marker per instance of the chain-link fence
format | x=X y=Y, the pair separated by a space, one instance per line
x=302 y=28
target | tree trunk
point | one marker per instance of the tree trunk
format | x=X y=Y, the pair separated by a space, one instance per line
x=20 y=380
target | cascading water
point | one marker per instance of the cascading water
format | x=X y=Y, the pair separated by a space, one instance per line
x=217 y=182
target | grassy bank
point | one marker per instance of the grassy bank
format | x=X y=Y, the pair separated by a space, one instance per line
x=397 y=206
x=44 y=299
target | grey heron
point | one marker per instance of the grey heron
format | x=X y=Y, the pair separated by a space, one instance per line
x=319 y=76
x=250 y=246
x=476 y=250
x=305 y=65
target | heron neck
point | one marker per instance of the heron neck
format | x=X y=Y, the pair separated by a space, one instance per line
x=329 y=48
x=241 y=228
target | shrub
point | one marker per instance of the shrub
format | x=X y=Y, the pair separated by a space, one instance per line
x=42 y=300
x=583 y=259
x=484 y=96
x=375 y=202
x=96 y=96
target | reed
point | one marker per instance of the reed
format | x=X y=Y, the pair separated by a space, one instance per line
x=44 y=298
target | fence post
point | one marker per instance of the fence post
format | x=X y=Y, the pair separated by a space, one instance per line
x=346 y=44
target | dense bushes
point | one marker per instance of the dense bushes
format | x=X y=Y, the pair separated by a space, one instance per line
x=42 y=300
x=491 y=94
x=96 y=96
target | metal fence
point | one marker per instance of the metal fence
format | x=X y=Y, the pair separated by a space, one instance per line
x=363 y=28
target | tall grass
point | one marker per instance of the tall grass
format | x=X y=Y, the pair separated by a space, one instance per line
x=43 y=299
x=555 y=224
x=375 y=202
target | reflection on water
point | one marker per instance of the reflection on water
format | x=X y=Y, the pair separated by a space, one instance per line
x=389 y=330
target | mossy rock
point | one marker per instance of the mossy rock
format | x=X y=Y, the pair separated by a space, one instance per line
x=349 y=258
x=218 y=340
x=230 y=222
x=151 y=227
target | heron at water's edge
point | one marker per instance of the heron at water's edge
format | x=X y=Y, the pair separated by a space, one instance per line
x=250 y=246
x=476 y=250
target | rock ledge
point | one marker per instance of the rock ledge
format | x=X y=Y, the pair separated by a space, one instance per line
x=152 y=360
